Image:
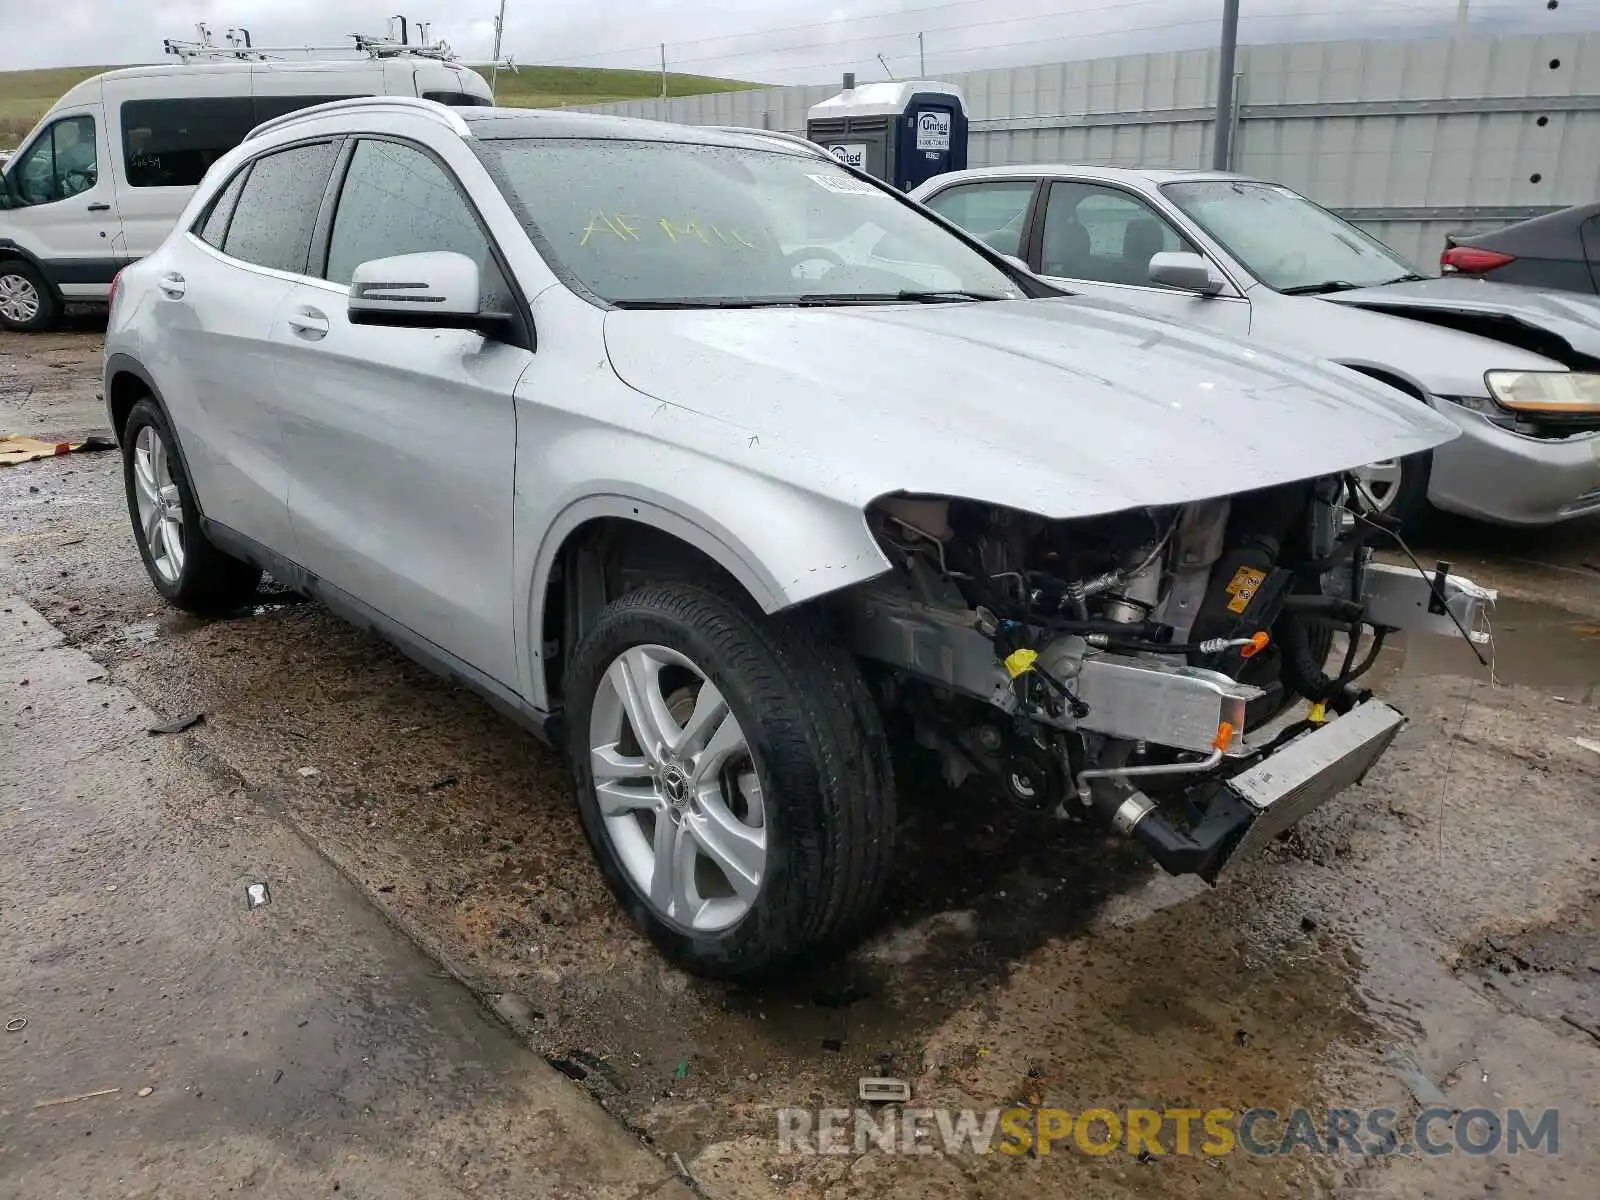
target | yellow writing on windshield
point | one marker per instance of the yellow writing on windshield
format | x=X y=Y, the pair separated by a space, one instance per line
x=627 y=229
x=615 y=224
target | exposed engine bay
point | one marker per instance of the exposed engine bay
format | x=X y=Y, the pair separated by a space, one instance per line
x=1165 y=671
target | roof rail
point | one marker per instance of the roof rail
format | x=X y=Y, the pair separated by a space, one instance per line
x=442 y=113
x=793 y=139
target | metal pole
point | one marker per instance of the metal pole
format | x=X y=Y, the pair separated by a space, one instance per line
x=494 y=63
x=663 y=70
x=922 y=59
x=1461 y=16
x=1224 y=116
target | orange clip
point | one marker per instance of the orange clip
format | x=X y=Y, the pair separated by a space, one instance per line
x=1258 y=643
x=1224 y=737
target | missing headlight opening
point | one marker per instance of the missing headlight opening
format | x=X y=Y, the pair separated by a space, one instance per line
x=1136 y=668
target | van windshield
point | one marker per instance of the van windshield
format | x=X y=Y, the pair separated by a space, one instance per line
x=672 y=224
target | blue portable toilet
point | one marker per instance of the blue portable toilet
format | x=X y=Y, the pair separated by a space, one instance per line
x=903 y=132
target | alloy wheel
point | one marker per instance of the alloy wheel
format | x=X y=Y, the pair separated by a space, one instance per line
x=679 y=796
x=159 y=503
x=1381 y=482
x=19 y=298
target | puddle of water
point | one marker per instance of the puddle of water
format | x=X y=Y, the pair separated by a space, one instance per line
x=1535 y=645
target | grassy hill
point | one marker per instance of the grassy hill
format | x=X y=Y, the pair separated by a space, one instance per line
x=25 y=95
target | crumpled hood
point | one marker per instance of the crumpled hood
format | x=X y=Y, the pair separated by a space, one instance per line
x=1061 y=407
x=1569 y=316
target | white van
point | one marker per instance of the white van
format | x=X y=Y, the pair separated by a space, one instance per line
x=103 y=177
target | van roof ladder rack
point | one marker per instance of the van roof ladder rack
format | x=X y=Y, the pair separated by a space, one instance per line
x=241 y=48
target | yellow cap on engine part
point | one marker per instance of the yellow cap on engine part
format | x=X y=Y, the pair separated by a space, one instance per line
x=1020 y=662
x=1318 y=713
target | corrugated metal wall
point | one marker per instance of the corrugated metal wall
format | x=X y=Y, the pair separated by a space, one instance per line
x=1411 y=139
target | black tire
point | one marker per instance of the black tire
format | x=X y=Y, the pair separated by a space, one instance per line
x=210 y=581
x=49 y=304
x=817 y=745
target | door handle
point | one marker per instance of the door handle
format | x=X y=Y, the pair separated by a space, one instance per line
x=172 y=285
x=99 y=208
x=308 y=323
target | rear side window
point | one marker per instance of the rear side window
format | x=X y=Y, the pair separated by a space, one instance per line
x=277 y=208
x=172 y=143
x=214 y=228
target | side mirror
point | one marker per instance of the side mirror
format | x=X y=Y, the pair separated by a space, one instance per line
x=1185 y=271
x=436 y=289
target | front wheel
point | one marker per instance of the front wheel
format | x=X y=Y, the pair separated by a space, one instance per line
x=1398 y=487
x=27 y=302
x=732 y=778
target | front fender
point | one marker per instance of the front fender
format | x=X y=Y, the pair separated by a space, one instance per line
x=783 y=545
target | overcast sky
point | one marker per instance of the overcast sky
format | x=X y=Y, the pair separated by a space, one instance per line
x=782 y=41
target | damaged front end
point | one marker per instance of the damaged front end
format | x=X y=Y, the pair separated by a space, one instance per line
x=1165 y=672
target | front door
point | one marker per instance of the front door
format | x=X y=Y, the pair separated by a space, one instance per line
x=60 y=205
x=401 y=442
x=1098 y=240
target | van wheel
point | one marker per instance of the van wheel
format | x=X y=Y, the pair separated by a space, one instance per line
x=27 y=303
x=732 y=778
x=188 y=570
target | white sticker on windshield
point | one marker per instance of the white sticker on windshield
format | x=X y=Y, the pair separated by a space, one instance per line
x=845 y=185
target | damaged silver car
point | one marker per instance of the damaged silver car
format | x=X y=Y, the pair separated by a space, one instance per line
x=1516 y=369
x=564 y=406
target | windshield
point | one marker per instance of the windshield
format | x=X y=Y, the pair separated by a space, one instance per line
x=673 y=223
x=1285 y=240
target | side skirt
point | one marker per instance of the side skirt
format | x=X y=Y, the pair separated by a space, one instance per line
x=543 y=725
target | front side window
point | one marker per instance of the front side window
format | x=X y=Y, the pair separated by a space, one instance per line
x=277 y=208
x=995 y=213
x=61 y=163
x=398 y=200
x=172 y=143
x=1103 y=234
x=687 y=224
x=1285 y=240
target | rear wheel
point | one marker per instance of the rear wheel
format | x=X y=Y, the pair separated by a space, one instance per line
x=27 y=303
x=732 y=778
x=187 y=569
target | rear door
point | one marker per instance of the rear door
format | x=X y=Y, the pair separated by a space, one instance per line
x=59 y=203
x=996 y=211
x=401 y=442
x=1098 y=239
x=219 y=288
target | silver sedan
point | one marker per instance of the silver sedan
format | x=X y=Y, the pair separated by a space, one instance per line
x=1516 y=369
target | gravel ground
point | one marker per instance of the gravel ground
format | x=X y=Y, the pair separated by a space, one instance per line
x=1443 y=916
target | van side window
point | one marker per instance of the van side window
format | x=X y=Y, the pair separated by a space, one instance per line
x=398 y=200
x=213 y=228
x=268 y=107
x=61 y=162
x=172 y=143
x=277 y=207
x=458 y=99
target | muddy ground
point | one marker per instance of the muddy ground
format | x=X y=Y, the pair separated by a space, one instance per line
x=1433 y=934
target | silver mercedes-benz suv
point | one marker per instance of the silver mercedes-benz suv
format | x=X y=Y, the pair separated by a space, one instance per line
x=721 y=465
